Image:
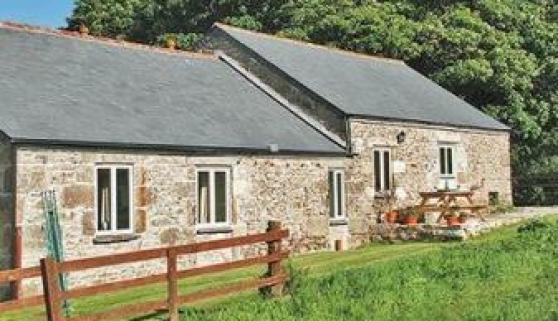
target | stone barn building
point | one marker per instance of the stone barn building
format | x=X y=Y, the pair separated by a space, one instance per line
x=148 y=147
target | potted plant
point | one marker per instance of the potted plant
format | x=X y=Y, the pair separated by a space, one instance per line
x=452 y=219
x=411 y=216
x=391 y=216
x=463 y=218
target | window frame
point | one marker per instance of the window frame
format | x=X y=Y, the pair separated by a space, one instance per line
x=383 y=189
x=334 y=194
x=211 y=170
x=113 y=169
x=453 y=158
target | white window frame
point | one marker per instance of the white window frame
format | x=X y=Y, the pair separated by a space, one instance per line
x=453 y=159
x=334 y=193
x=383 y=188
x=113 y=168
x=212 y=170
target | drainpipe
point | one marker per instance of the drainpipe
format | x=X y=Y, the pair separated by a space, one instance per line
x=17 y=258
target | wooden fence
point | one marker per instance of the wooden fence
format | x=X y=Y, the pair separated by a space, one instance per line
x=53 y=297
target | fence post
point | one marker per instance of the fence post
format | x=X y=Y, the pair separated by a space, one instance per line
x=51 y=288
x=274 y=268
x=172 y=281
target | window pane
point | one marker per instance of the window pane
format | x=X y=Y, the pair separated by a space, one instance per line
x=386 y=171
x=377 y=171
x=122 y=198
x=339 y=182
x=450 y=160
x=103 y=200
x=331 y=195
x=220 y=197
x=203 y=197
x=442 y=161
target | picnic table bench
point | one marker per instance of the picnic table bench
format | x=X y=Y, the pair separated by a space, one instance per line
x=447 y=202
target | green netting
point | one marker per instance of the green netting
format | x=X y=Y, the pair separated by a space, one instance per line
x=53 y=234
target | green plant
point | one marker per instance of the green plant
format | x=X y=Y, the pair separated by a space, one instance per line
x=532 y=226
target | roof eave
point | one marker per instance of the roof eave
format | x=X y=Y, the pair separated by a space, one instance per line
x=205 y=150
x=430 y=123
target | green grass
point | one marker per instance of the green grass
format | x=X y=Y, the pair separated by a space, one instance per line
x=419 y=281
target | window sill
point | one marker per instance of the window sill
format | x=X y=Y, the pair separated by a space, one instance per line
x=338 y=222
x=115 y=238
x=214 y=230
x=382 y=194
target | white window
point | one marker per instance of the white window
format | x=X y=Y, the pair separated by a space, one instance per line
x=113 y=198
x=213 y=196
x=447 y=157
x=336 y=194
x=382 y=170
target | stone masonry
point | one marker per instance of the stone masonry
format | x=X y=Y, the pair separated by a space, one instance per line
x=292 y=189
x=479 y=155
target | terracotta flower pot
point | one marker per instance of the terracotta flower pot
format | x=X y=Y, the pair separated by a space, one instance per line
x=410 y=220
x=391 y=217
x=452 y=220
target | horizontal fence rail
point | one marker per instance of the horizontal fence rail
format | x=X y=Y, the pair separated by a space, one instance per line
x=54 y=296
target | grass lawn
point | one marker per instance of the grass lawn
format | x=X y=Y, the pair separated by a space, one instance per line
x=500 y=276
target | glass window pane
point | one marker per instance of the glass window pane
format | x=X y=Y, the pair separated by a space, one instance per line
x=386 y=171
x=331 y=195
x=442 y=161
x=203 y=197
x=122 y=198
x=377 y=171
x=220 y=197
x=450 y=160
x=339 y=182
x=103 y=200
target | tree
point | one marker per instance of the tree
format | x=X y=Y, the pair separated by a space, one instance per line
x=500 y=55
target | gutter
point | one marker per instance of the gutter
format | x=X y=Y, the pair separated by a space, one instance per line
x=429 y=123
x=297 y=111
x=203 y=150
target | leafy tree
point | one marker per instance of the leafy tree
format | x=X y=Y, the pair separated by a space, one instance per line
x=500 y=55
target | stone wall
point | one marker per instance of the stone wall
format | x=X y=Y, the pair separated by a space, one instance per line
x=479 y=155
x=6 y=209
x=293 y=190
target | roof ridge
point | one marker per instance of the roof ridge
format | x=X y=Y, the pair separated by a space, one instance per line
x=102 y=40
x=314 y=45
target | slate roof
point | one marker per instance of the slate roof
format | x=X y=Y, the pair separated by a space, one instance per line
x=363 y=85
x=60 y=89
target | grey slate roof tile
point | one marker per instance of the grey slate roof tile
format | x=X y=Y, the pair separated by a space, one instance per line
x=62 y=89
x=364 y=85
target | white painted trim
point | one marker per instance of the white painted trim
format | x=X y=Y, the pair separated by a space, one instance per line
x=382 y=150
x=453 y=161
x=336 y=214
x=211 y=186
x=113 y=167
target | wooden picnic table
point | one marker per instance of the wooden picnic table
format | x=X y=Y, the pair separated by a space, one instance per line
x=449 y=201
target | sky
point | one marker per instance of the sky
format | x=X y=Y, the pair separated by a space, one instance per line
x=47 y=13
